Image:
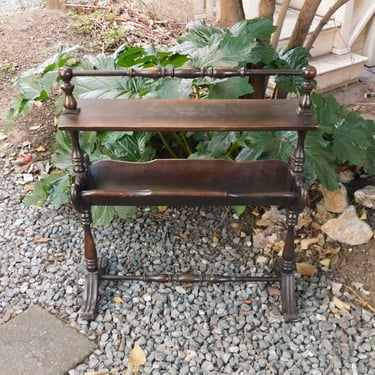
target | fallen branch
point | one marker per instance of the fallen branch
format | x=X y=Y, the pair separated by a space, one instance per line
x=362 y=301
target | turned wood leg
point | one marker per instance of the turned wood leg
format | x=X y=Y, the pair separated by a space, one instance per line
x=94 y=267
x=288 y=293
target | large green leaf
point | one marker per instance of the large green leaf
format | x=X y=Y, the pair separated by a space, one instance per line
x=168 y=88
x=53 y=187
x=40 y=194
x=208 y=46
x=125 y=212
x=228 y=52
x=257 y=28
x=328 y=111
x=108 y=87
x=295 y=58
x=130 y=146
x=59 y=59
x=349 y=144
x=229 y=88
x=284 y=146
x=30 y=87
x=48 y=80
x=321 y=160
x=61 y=158
x=60 y=191
x=88 y=141
x=148 y=56
x=220 y=143
x=369 y=163
x=261 y=55
x=108 y=139
x=353 y=136
x=19 y=106
x=98 y=62
x=35 y=84
x=267 y=145
x=102 y=215
x=129 y=56
x=256 y=145
x=199 y=35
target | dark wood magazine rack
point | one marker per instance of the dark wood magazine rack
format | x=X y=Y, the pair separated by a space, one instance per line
x=183 y=181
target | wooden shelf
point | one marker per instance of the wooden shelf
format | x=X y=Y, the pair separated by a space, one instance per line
x=186 y=115
x=189 y=181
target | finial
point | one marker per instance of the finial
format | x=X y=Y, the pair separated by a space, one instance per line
x=305 y=104
x=70 y=103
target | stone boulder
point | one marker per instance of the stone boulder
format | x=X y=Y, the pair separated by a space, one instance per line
x=348 y=228
x=366 y=196
x=335 y=201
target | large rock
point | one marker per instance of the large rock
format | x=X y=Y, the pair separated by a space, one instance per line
x=348 y=228
x=335 y=201
x=366 y=196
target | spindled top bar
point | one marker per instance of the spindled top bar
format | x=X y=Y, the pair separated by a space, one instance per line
x=186 y=72
x=70 y=104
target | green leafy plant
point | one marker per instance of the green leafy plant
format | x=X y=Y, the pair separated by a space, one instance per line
x=8 y=67
x=38 y=84
x=343 y=136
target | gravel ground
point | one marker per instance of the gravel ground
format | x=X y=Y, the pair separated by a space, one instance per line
x=183 y=329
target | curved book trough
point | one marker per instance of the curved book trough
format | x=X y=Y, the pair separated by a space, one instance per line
x=188 y=181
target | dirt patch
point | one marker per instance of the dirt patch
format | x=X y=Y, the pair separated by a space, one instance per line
x=356 y=264
x=28 y=38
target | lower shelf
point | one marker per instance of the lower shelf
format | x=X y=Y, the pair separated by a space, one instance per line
x=189 y=182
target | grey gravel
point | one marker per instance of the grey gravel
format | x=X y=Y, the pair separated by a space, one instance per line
x=183 y=329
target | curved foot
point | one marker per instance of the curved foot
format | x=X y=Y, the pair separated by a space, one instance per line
x=90 y=295
x=288 y=297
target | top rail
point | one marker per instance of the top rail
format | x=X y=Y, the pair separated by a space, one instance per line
x=305 y=103
x=186 y=72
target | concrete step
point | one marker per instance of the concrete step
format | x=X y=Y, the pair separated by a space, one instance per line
x=335 y=71
x=323 y=44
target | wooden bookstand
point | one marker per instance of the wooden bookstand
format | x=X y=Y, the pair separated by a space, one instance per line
x=183 y=181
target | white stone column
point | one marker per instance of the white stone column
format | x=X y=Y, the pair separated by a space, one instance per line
x=251 y=8
x=344 y=17
x=369 y=47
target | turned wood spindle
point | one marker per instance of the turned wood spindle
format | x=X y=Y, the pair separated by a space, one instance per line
x=70 y=102
x=305 y=104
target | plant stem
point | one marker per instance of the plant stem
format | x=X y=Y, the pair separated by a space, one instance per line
x=181 y=140
x=166 y=145
x=232 y=149
x=185 y=142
